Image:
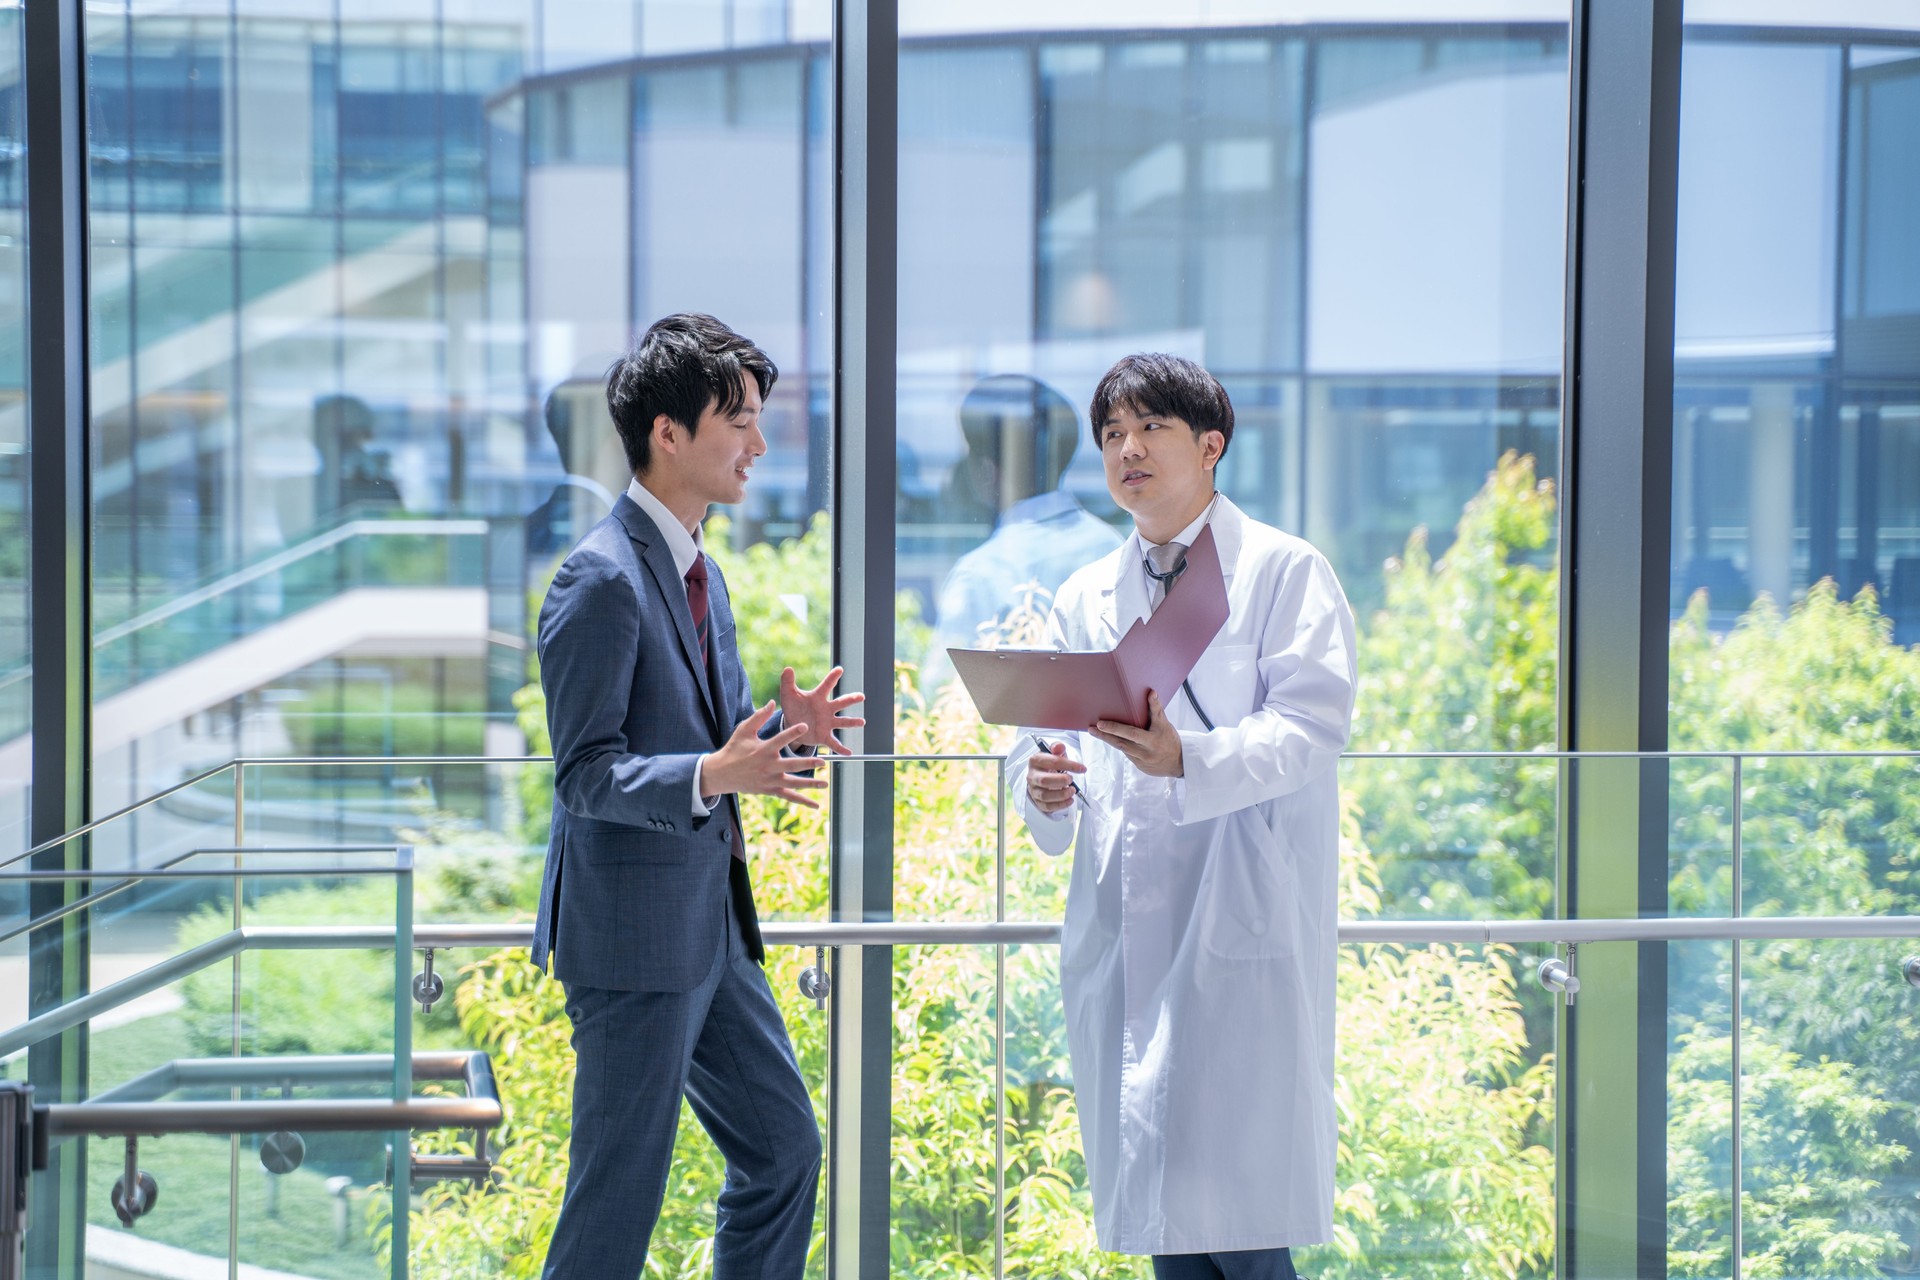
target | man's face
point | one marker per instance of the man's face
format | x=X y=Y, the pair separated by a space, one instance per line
x=713 y=463
x=1157 y=469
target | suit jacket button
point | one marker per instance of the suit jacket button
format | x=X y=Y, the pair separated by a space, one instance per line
x=723 y=833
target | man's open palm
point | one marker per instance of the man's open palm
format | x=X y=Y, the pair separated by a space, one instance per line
x=820 y=710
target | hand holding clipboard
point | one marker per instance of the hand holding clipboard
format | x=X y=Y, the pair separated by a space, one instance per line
x=1048 y=689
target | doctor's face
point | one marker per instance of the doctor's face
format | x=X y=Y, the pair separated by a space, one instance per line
x=1159 y=470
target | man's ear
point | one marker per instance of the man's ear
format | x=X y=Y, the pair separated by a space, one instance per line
x=1212 y=445
x=666 y=433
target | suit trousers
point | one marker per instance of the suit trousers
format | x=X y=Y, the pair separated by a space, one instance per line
x=724 y=1047
x=1240 y=1264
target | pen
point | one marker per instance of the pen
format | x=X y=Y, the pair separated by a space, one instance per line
x=1047 y=747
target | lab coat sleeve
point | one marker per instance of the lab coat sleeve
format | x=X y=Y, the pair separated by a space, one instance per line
x=1053 y=833
x=1302 y=725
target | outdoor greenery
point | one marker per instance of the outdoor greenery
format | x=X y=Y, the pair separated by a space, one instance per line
x=1444 y=1062
x=1445 y=1104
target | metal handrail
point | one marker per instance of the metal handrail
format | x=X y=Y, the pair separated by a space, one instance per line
x=140 y=875
x=330 y=1115
x=86 y=828
x=173 y=968
x=1415 y=932
x=105 y=1117
x=302 y=1069
x=254 y=762
x=943 y=933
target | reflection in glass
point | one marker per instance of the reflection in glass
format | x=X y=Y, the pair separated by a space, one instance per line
x=355 y=283
x=1795 y=406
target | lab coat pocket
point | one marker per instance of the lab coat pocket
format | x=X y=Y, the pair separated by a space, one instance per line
x=1254 y=891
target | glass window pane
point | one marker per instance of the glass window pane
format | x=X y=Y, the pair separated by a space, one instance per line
x=1359 y=229
x=1796 y=597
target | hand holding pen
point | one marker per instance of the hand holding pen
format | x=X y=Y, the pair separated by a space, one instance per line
x=1050 y=783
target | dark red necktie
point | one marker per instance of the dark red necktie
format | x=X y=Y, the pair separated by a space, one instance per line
x=697 y=606
x=697 y=600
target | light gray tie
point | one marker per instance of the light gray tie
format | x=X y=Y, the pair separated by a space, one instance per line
x=1164 y=565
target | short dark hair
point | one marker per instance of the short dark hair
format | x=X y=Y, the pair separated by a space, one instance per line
x=1043 y=424
x=1153 y=382
x=681 y=365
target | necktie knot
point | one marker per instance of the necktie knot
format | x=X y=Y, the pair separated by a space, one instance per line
x=1164 y=564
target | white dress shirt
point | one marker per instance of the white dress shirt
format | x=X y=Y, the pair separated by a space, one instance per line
x=684 y=545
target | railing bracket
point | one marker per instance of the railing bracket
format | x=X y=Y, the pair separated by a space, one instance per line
x=282 y=1151
x=428 y=986
x=134 y=1192
x=816 y=984
x=1560 y=975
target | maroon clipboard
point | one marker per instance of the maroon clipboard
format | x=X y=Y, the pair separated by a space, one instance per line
x=1050 y=689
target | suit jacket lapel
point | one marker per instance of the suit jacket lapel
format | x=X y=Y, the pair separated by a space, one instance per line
x=672 y=587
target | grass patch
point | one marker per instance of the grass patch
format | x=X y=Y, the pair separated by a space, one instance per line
x=192 y=1173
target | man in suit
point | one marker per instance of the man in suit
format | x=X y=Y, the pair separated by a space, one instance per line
x=645 y=905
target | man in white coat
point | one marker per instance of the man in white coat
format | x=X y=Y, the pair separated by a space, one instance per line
x=1197 y=961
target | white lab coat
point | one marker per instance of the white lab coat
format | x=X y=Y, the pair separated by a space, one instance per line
x=1197 y=960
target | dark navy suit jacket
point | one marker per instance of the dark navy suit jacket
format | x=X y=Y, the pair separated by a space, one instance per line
x=635 y=889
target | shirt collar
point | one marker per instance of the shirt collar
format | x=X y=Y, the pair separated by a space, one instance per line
x=1186 y=536
x=683 y=546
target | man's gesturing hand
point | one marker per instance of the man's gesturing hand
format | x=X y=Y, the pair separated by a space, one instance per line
x=1050 y=778
x=818 y=712
x=750 y=764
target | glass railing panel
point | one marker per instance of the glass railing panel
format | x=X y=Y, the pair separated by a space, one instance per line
x=1830 y=1148
x=518 y=1015
x=1049 y=1202
x=479 y=830
x=944 y=839
x=1830 y=835
x=944 y=1111
x=171 y=975
x=1700 y=1117
x=182 y=1006
x=1444 y=1092
x=483 y=809
x=1443 y=1071
x=1701 y=826
x=1464 y=837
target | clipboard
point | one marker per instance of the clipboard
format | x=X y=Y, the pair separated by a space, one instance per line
x=1050 y=689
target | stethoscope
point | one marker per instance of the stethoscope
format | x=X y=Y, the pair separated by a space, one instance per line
x=1166 y=581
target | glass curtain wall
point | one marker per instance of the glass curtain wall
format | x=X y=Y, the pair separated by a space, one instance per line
x=357 y=272
x=1359 y=228
x=1796 y=599
x=16 y=671
x=301 y=411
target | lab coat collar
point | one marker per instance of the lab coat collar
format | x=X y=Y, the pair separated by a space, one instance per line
x=1124 y=599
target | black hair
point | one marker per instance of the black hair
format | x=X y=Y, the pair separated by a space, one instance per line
x=1153 y=383
x=682 y=365
x=1043 y=424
